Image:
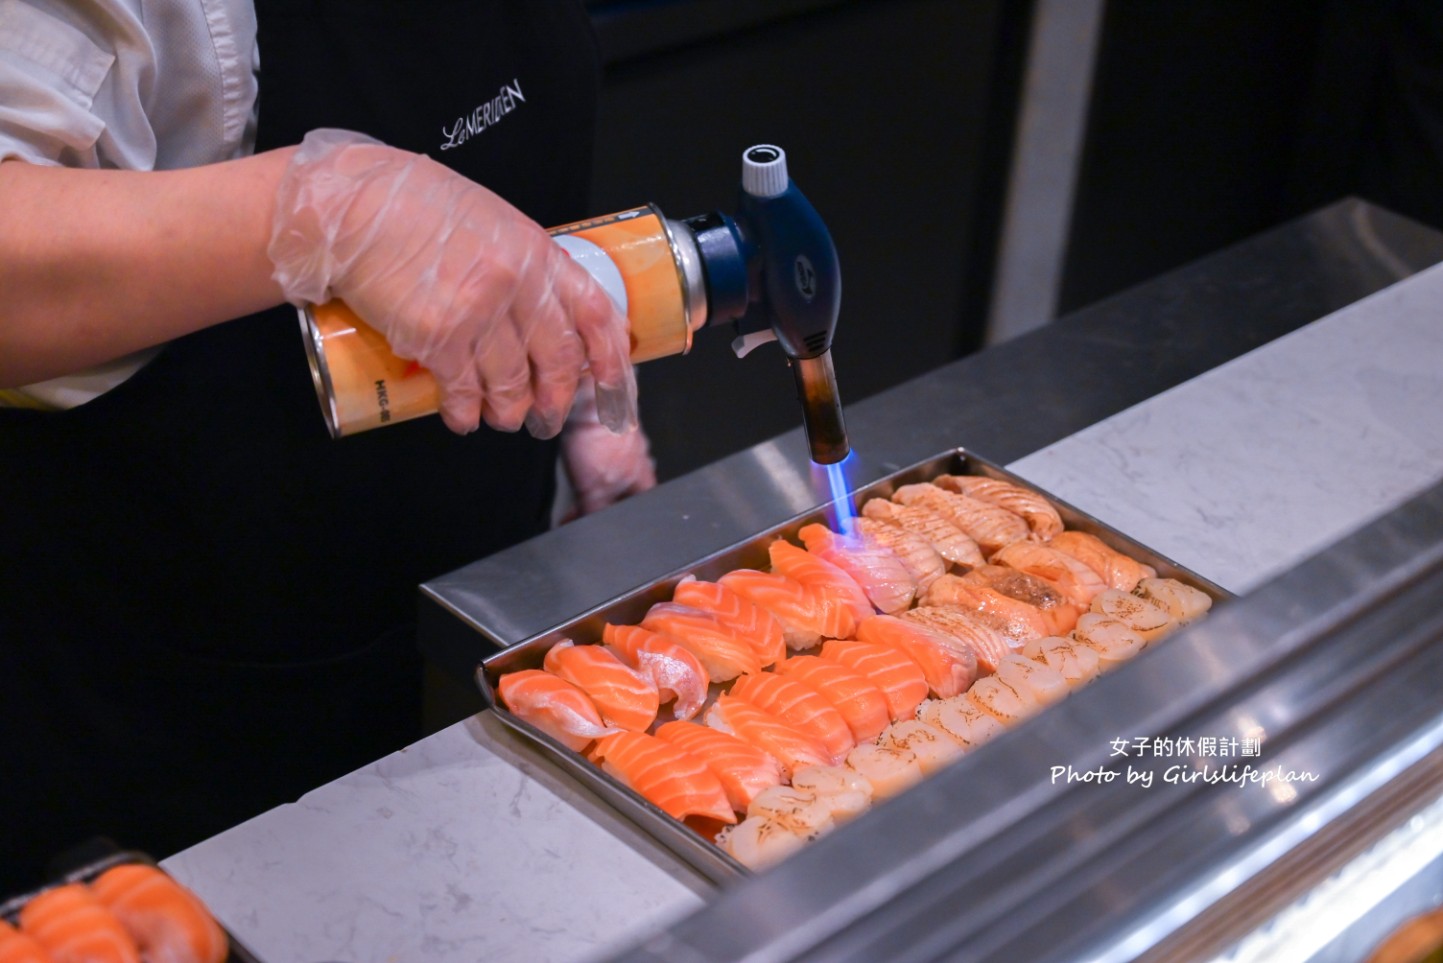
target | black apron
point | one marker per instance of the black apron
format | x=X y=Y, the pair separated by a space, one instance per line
x=206 y=599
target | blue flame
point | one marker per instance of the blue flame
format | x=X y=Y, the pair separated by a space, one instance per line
x=842 y=512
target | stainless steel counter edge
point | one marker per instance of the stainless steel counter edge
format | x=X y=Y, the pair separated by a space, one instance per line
x=1020 y=396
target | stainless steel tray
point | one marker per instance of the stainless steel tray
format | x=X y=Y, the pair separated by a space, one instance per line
x=688 y=845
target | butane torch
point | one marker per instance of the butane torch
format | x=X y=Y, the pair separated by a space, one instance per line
x=772 y=271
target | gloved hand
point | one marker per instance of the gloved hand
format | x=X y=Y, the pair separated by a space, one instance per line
x=455 y=278
x=603 y=466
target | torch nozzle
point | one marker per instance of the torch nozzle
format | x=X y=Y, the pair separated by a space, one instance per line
x=821 y=408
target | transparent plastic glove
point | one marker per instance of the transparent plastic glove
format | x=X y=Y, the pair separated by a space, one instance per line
x=455 y=278
x=603 y=466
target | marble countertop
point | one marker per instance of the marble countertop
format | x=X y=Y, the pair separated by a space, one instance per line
x=470 y=846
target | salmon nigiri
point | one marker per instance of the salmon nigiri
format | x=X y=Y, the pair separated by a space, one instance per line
x=950 y=541
x=554 y=706
x=861 y=703
x=798 y=705
x=1074 y=579
x=744 y=770
x=948 y=666
x=820 y=575
x=1059 y=613
x=912 y=550
x=1016 y=619
x=1119 y=571
x=991 y=527
x=806 y=616
x=725 y=654
x=986 y=641
x=675 y=780
x=1042 y=519
x=169 y=922
x=876 y=568
x=760 y=628
x=900 y=679
x=71 y=924
x=18 y=947
x=626 y=698
x=677 y=673
x=789 y=746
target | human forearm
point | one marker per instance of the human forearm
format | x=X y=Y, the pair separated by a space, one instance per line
x=97 y=264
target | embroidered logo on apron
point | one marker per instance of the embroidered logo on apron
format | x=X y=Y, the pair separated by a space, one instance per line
x=507 y=99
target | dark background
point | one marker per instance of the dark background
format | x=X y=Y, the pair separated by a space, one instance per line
x=1209 y=121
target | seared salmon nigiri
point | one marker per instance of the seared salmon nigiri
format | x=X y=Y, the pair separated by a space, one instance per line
x=1074 y=579
x=969 y=628
x=626 y=698
x=1119 y=571
x=912 y=550
x=168 y=921
x=1037 y=511
x=990 y=527
x=943 y=534
x=876 y=568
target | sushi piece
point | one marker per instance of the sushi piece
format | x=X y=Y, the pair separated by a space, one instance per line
x=1150 y=621
x=806 y=616
x=950 y=541
x=1070 y=576
x=889 y=769
x=969 y=628
x=989 y=526
x=744 y=770
x=1042 y=519
x=821 y=576
x=799 y=810
x=799 y=706
x=760 y=628
x=1009 y=704
x=949 y=666
x=1112 y=640
x=862 y=704
x=845 y=791
x=675 y=780
x=900 y=679
x=1015 y=618
x=962 y=719
x=914 y=552
x=1075 y=662
x=790 y=747
x=723 y=653
x=170 y=924
x=554 y=706
x=933 y=747
x=1059 y=613
x=18 y=947
x=72 y=925
x=888 y=584
x=626 y=698
x=679 y=676
x=1046 y=684
x=1183 y=602
x=1119 y=571
x=758 y=842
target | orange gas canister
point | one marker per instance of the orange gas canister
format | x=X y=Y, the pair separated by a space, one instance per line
x=649 y=265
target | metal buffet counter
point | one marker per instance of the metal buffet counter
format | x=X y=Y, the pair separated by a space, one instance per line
x=1270 y=417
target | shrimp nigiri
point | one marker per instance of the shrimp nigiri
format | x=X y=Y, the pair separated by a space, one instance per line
x=876 y=568
x=820 y=575
x=789 y=746
x=744 y=770
x=1119 y=571
x=950 y=541
x=798 y=705
x=71 y=924
x=554 y=706
x=760 y=628
x=900 y=679
x=169 y=922
x=861 y=703
x=948 y=666
x=675 y=780
x=1041 y=517
x=990 y=527
x=678 y=674
x=626 y=698
x=725 y=654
